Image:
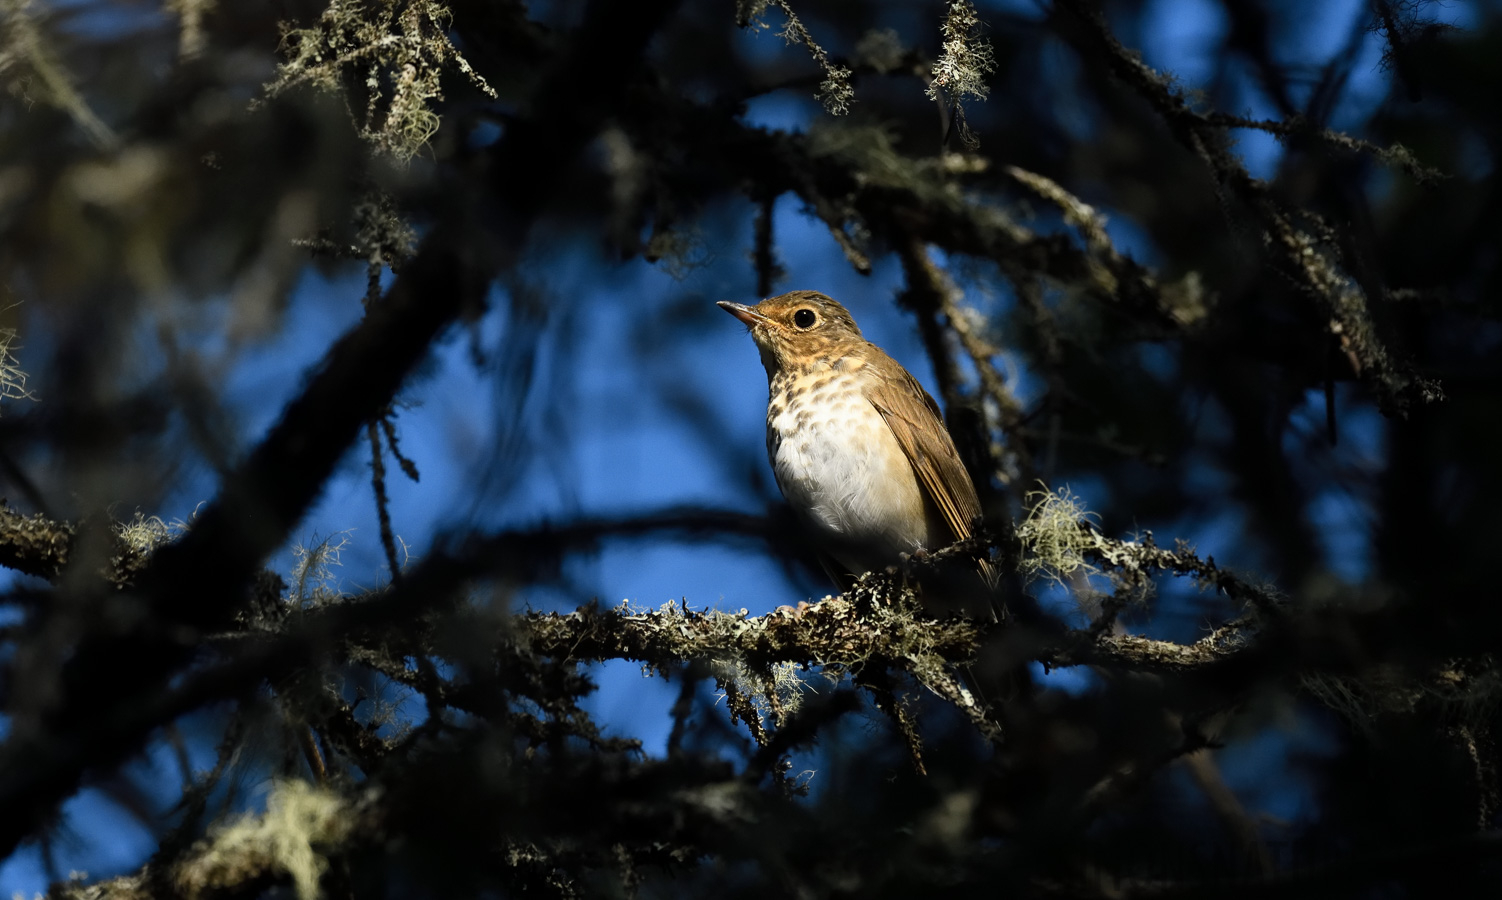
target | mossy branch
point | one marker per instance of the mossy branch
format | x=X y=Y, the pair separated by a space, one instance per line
x=847 y=632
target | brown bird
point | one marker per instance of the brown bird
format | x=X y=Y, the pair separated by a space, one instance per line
x=858 y=447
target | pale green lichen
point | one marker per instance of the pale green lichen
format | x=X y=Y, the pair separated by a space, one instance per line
x=1056 y=536
x=835 y=91
x=965 y=59
x=390 y=47
x=143 y=534
x=12 y=376
x=290 y=839
x=313 y=580
x=776 y=691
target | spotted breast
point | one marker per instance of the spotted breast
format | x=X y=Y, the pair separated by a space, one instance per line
x=840 y=467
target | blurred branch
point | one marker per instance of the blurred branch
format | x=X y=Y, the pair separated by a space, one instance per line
x=1238 y=823
x=1303 y=256
x=1296 y=126
x=872 y=631
x=25 y=54
x=198 y=581
x=852 y=177
x=835 y=91
x=931 y=293
x=1142 y=555
x=46 y=759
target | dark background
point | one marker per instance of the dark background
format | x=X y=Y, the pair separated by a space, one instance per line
x=182 y=246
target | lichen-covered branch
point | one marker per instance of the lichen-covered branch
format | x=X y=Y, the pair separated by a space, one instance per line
x=34 y=544
x=838 y=631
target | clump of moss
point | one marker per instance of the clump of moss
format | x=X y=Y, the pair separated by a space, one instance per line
x=299 y=821
x=1056 y=537
x=313 y=581
x=394 y=52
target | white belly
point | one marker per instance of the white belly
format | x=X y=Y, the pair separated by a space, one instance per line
x=847 y=476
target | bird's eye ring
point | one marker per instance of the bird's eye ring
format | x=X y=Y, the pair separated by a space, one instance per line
x=805 y=318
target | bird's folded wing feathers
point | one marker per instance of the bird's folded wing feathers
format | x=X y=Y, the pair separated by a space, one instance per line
x=914 y=419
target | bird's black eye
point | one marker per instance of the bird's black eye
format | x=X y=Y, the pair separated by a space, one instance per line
x=805 y=318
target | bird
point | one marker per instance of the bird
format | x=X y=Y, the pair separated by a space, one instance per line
x=859 y=448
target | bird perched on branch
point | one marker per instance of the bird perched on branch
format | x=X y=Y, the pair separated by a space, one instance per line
x=859 y=448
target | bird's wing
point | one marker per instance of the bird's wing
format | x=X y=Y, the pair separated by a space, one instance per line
x=914 y=419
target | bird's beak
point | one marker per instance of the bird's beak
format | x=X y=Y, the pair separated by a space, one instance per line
x=746 y=314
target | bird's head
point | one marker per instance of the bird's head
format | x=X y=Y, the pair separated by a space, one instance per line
x=794 y=330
